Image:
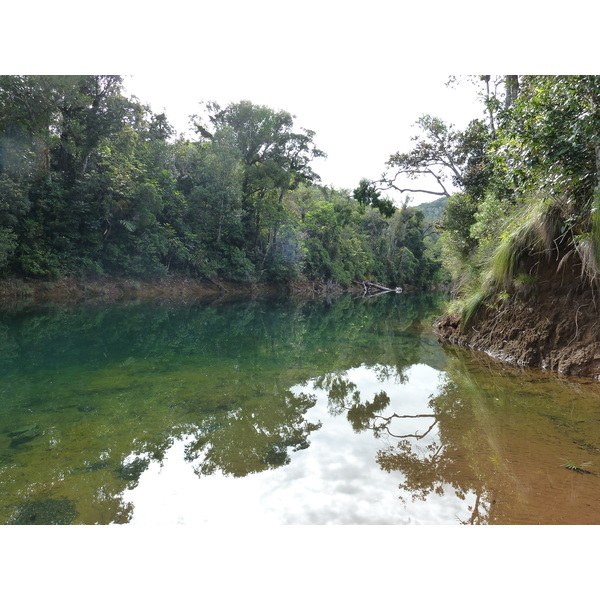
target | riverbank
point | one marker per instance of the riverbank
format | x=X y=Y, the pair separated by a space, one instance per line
x=552 y=323
x=70 y=290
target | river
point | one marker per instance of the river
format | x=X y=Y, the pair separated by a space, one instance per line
x=277 y=411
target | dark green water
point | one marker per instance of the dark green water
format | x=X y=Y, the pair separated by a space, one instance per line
x=274 y=412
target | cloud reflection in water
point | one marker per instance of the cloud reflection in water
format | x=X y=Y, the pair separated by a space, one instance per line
x=336 y=480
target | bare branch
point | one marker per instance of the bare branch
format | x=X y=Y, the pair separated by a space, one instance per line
x=385 y=184
x=387 y=421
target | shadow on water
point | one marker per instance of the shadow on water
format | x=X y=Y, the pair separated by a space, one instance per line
x=93 y=400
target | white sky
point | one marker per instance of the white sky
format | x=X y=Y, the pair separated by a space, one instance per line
x=334 y=481
x=357 y=124
x=359 y=74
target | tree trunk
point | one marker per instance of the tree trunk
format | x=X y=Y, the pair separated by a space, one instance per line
x=597 y=148
x=512 y=89
x=369 y=286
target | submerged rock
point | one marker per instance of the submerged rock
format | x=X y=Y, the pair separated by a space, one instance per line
x=23 y=435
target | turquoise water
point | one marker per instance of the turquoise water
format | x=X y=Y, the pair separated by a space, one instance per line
x=281 y=412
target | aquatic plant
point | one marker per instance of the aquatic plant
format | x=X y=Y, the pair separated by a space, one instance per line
x=580 y=468
x=23 y=435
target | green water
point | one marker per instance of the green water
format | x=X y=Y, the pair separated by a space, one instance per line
x=275 y=411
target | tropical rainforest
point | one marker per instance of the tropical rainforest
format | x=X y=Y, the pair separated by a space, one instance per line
x=94 y=185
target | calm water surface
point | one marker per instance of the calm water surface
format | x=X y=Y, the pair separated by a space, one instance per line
x=280 y=412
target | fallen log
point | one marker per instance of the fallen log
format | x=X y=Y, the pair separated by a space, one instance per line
x=370 y=286
x=365 y=295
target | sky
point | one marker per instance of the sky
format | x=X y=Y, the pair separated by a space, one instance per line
x=332 y=481
x=359 y=74
x=357 y=126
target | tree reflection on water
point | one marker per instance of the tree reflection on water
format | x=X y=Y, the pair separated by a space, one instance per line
x=489 y=435
x=255 y=437
x=95 y=397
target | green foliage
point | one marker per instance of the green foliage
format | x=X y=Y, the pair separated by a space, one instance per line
x=532 y=231
x=550 y=135
x=273 y=159
x=93 y=183
x=579 y=467
x=8 y=244
x=445 y=156
x=367 y=194
x=433 y=211
x=489 y=221
x=528 y=182
x=335 y=250
x=285 y=262
x=471 y=305
x=458 y=220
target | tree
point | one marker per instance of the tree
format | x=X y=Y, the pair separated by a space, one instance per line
x=367 y=194
x=550 y=134
x=402 y=249
x=537 y=199
x=274 y=159
x=209 y=179
x=93 y=183
x=69 y=154
x=442 y=154
x=496 y=92
x=434 y=156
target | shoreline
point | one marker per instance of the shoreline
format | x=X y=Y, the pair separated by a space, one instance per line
x=553 y=325
x=184 y=289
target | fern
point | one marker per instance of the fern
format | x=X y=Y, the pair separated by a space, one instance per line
x=129 y=225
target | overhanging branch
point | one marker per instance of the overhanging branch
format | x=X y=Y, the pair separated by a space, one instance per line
x=385 y=183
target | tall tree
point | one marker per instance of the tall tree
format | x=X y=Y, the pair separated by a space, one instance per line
x=367 y=194
x=442 y=155
x=274 y=157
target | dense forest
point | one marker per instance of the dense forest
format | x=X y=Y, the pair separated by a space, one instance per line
x=93 y=184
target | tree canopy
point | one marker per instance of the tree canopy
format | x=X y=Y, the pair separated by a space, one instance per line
x=94 y=184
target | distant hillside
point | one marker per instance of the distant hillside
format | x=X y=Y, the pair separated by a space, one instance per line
x=433 y=211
